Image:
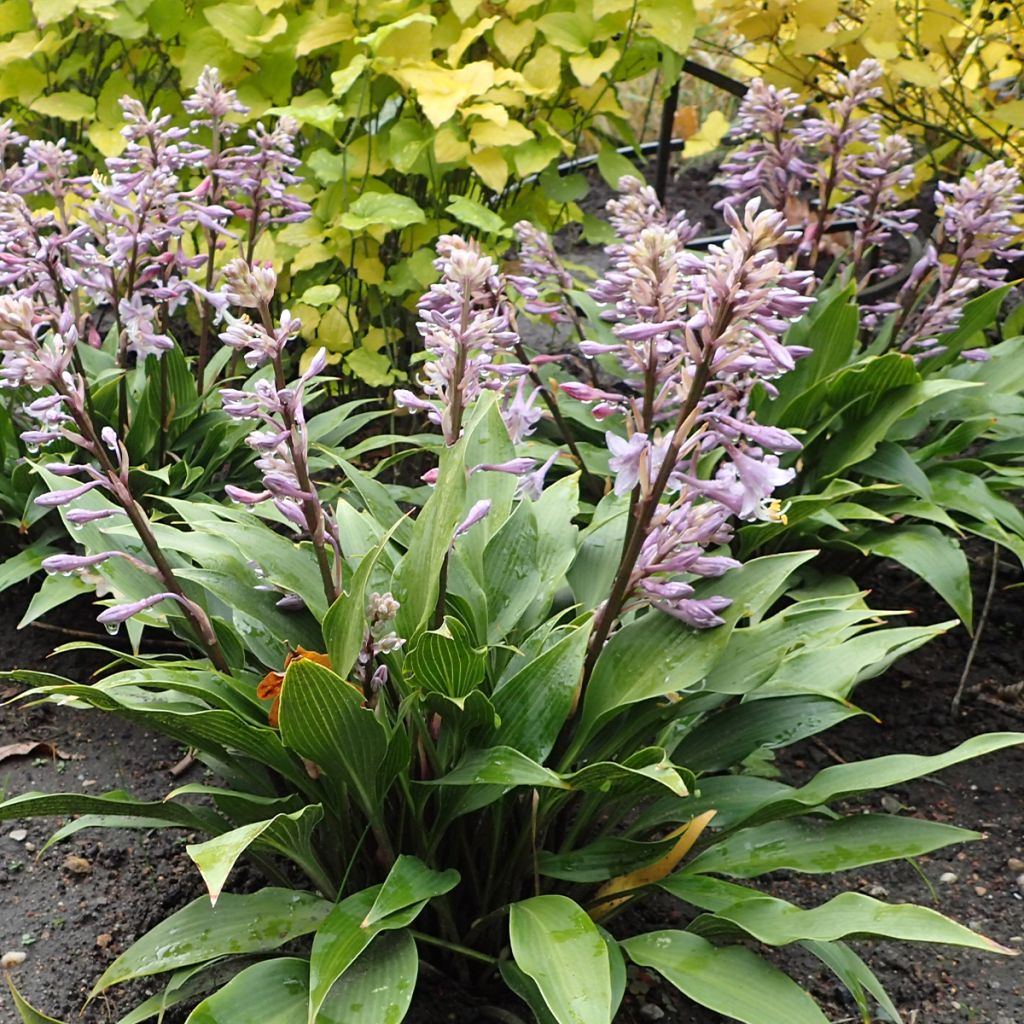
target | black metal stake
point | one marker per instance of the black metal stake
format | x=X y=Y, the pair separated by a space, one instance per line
x=668 y=116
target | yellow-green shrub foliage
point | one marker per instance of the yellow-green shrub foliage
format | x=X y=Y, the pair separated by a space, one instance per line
x=953 y=69
x=416 y=117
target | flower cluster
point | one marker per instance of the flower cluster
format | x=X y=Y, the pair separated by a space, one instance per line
x=694 y=337
x=771 y=162
x=281 y=440
x=840 y=158
x=978 y=218
x=466 y=323
x=116 y=244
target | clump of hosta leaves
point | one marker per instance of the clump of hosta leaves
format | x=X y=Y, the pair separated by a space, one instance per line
x=482 y=722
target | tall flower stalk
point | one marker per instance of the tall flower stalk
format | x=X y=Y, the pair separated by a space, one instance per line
x=283 y=442
x=37 y=353
x=694 y=337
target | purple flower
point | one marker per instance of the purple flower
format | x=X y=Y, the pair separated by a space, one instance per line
x=138 y=323
x=479 y=511
x=771 y=163
x=118 y=613
x=467 y=333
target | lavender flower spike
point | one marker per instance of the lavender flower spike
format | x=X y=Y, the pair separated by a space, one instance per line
x=466 y=330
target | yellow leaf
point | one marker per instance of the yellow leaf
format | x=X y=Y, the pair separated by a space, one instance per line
x=304 y=232
x=334 y=331
x=373 y=367
x=596 y=99
x=512 y=38
x=344 y=78
x=917 y=73
x=449 y=148
x=310 y=255
x=109 y=141
x=493 y=112
x=370 y=269
x=418 y=23
x=506 y=96
x=818 y=13
x=670 y=22
x=709 y=135
x=374 y=339
x=467 y=37
x=326 y=32
x=588 y=69
x=1011 y=113
x=544 y=70
x=535 y=156
x=604 y=7
x=66 y=106
x=308 y=318
x=490 y=165
x=688 y=835
x=486 y=133
x=441 y=91
x=464 y=8
x=277 y=25
x=19 y=47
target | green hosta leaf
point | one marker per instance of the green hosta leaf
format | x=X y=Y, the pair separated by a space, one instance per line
x=535 y=703
x=646 y=770
x=858 y=441
x=344 y=625
x=254 y=923
x=272 y=992
x=322 y=718
x=978 y=314
x=849 y=915
x=657 y=654
x=892 y=462
x=500 y=766
x=42 y=805
x=65 y=106
x=29 y=1014
x=844 y=780
x=373 y=209
x=830 y=330
x=827 y=672
x=378 y=987
x=286 y=834
x=446 y=661
x=409 y=881
x=214 y=732
x=510 y=573
x=859 y=979
x=733 y=981
x=730 y=736
x=190 y=983
x=417 y=576
x=555 y=942
x=822 y=847
x=934 y=556
x=341 y=939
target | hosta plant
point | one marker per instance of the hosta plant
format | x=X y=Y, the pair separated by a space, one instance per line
x=474 y=736
x=908 y=418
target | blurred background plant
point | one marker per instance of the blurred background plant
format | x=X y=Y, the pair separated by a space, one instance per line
x=951 y=70
x=414 y=118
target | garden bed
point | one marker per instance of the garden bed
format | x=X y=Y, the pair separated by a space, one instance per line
x=83 y=902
